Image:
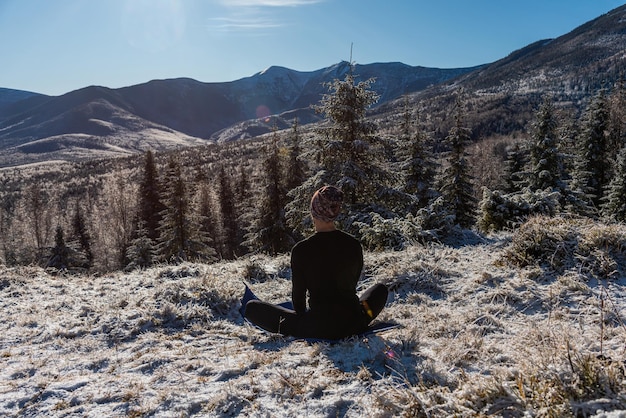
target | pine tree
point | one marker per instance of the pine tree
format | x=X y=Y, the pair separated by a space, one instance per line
x=172 y=229
x=229 y=231
x=349 y=155
x=515 y=176
x=295 y=171
x=150 y=205
x=270 y=232
x=456 y=186
x=142 y=251
x=179 y=231
x=80 y=234
x=592 y=170
x=60 y=253
x=242 y=188
x=347 y=147
x=546 y=166
x=615 y=204
x=568 y=148
x=209 y=224
x=244 y=217
x=617 y=116
x=418 y=166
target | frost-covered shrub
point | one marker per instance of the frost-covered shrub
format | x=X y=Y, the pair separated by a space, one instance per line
x=437 y=218
x=611 y=237
x=561 y=243
x=384 y=233
x=434 y=222
x=602 y=248
x=543 y=240
x=498 y=210
x=393 y=234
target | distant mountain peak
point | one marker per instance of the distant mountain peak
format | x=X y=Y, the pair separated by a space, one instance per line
x=274 y=70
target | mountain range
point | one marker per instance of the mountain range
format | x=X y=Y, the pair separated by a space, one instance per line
x=163 y=114
x=166 y=114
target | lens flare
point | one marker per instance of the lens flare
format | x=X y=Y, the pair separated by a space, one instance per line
x=262 y=112
x=390 y=354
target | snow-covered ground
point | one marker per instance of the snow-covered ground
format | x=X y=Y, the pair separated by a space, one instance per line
x=478 y=336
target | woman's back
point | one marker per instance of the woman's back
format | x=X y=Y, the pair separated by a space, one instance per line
x=328 y=265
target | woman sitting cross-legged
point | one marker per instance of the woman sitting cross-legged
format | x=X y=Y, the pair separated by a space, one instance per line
x=327 y=267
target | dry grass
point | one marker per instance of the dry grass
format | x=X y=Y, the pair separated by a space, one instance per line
x=480 y=336
x=561 y=243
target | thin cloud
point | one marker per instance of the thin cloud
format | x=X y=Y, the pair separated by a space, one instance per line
x=253 y=15
x=268 y=3
x=227 y=24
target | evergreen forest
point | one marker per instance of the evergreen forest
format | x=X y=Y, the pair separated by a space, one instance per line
x=406 y=181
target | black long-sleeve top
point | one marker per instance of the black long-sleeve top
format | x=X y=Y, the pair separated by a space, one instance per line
x=328 y=265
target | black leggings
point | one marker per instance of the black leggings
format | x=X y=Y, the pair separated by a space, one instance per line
x=334 y=323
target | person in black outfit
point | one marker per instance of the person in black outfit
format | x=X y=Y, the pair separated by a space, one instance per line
x=327 y=267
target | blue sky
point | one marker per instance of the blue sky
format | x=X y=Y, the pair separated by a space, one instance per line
x=56 y=46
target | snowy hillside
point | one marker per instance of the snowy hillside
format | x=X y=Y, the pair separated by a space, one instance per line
x=479 y=336
x=191 y=110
